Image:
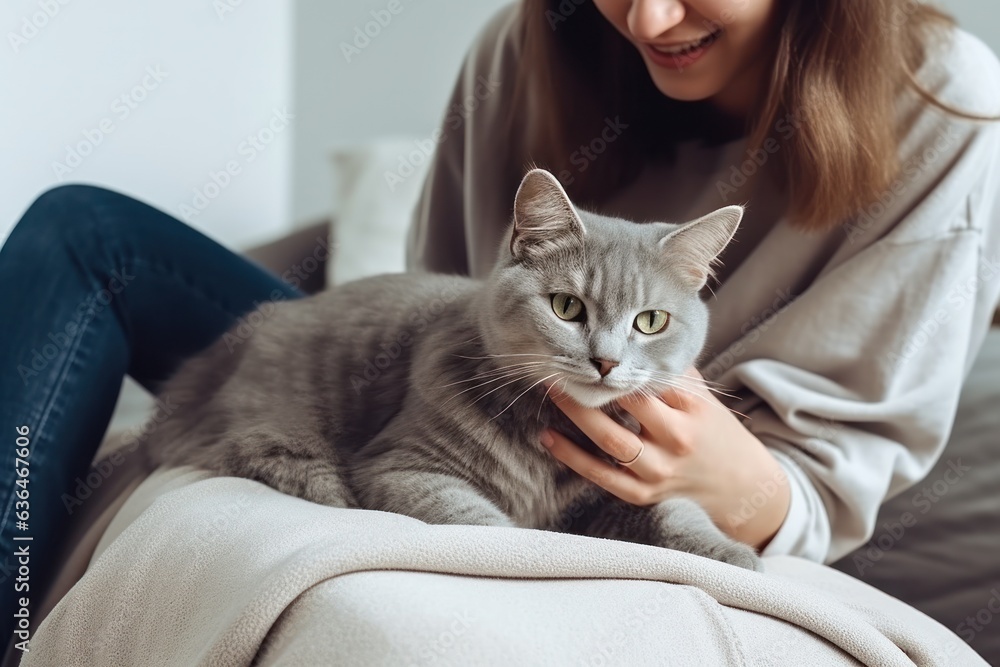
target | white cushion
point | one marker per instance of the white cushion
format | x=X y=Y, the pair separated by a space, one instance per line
x=376 y=188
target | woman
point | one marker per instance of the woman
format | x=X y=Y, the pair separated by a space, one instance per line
x=638 y=106
x=864 y=275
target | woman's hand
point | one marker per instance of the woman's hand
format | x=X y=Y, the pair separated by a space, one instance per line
x=690 y=445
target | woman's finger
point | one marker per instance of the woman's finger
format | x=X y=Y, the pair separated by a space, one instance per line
x=615 y=481
x=660 y=422
x=677 y=399
x=621 y=443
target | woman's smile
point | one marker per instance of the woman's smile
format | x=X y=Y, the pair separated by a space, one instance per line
x=681 y=55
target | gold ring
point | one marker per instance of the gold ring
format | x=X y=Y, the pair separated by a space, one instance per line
x=642 y=448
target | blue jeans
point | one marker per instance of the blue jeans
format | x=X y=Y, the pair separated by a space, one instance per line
x=95 y=285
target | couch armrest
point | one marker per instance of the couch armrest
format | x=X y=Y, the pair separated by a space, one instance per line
x=282 y=254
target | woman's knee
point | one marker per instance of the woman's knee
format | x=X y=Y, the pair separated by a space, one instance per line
x=60 y=212
x=68 y=202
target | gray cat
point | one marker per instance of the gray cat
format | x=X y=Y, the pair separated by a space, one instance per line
x=423 y=394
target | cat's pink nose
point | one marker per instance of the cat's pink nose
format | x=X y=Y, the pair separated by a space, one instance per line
x=603 y=366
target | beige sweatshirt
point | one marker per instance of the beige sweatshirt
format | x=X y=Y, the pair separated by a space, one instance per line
x=848 y=348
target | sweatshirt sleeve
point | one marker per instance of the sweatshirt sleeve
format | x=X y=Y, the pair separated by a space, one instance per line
x=850 y=433
x=857 y=387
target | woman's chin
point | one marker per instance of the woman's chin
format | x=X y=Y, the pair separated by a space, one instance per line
x=687 y=85
x=684 y=91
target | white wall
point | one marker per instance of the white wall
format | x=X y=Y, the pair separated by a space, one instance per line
x=398 y=84
x=225 y=73
x=980 y=17
x=222 y=75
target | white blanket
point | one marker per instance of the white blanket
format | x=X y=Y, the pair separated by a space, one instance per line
x=221 y=571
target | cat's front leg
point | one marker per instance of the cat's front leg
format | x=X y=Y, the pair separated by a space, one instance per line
x=677 y=523
x=428 y=496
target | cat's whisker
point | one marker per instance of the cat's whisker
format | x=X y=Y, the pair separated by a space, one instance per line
x=565 y=383
x=680 y=377
x=737 y=412
x=538 y=416
x=487 y=379
x=516 y=364
x=720 y=392
x=698 y=382
x=525 y=372
x=464 y=342
x=501 y=373
x=519 y=354
x=692 y=384
x=449 y=400
x=495 y=371
x=646 y=392
x=674 y=379
x=501 y=376
x=535 y=384
x=709 y=384
x=688 y=391
x=517 y=379
x=673 y=383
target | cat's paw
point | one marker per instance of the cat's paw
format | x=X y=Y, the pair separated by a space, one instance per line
x=330 y=495
x=738 y=554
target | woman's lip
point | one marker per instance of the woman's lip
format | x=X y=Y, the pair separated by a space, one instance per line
x=687 y=43
x=683 y=55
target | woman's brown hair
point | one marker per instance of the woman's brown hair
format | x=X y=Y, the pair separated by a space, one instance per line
x=837 y=70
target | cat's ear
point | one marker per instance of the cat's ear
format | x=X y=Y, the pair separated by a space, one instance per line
x=545 y=220
x=695 y=247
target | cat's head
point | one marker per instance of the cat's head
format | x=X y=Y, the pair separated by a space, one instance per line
x=603 y=306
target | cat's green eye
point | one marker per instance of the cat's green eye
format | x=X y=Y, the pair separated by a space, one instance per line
x=567 y=307
x=651 y=321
